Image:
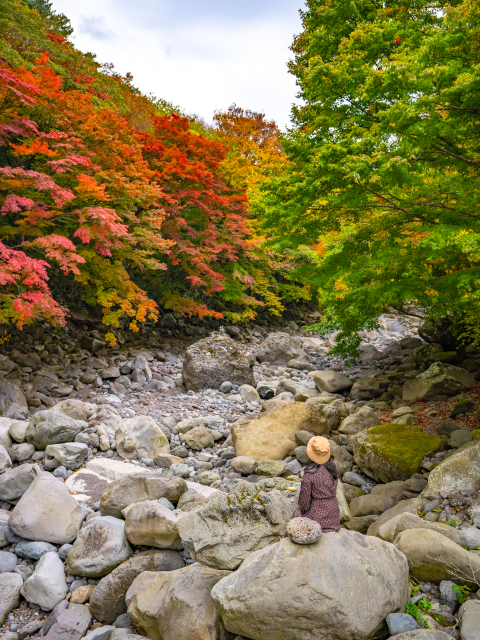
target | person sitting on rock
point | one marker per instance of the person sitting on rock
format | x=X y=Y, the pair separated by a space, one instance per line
x=318 y=493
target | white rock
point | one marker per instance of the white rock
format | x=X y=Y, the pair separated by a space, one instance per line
x=47 y=512
x=47 y=586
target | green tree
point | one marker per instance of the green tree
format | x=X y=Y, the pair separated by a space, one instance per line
x=384 y=159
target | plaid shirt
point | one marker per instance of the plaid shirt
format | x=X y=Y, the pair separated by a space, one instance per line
x=318 y=500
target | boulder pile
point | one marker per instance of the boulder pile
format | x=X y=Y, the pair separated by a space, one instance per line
x=148 y=491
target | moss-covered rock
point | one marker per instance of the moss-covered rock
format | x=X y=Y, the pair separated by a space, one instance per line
x=390 y=452
x=476 y=434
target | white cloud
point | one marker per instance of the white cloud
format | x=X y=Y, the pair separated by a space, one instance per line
x=200 y=54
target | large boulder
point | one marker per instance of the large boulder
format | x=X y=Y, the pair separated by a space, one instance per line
x=47 y=511
x=52 y=427
x=144 y=485
x=12 y=398
x=151 y=524
x=279 y=348
x=394 y=451
x=331 y=381
x=14 y=482
x=432 y=557
x=100 y=547
x=272 y=436
x=140 y=437
x=215 y=359
x=362 y=419
x=223 y=532
x=437 y=382
x=76 y=409
x=10 y=585
x=169 y=605
x=107 y=600
x=341 y=587
x=459 y=472
x=46 y=586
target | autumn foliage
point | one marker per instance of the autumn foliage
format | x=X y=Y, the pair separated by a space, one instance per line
x=108 y=196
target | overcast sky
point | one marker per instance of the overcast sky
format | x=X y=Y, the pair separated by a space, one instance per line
x=200 y=54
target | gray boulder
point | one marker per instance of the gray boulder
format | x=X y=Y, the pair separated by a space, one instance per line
x=10 y=585
x=5 y=438
x=67 y=622
x=331 y=381
x=12 y=398
x=437 y=382
x=101 y=546
x=47 y=511
x=4 y=518
x=211 y=361
x=469 y=617
x=22 y=452
x=46 y=586
x=140 y=437
x=5 y=460
x=70 y=455
x=367 y=389
x=34 y=550
x=155 y=600
x=15 y=482
x=370 y=505
x=362 y=419
x=8 y=562
x=52 y=427
x=222 y=533
x=107 y=600
x=432 y=557
x=279 y=348
x=144 y=485
x=345 y=585
x=18 y=430
x=401 y=622
x=459 y=472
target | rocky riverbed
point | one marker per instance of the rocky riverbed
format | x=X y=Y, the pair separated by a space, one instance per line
x=145 y=489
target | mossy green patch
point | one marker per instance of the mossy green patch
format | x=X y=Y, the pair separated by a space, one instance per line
x=390 y=452
x=476 y=434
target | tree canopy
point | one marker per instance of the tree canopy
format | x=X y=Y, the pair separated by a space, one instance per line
x=384 y=158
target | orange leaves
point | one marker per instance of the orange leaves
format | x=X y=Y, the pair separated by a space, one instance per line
x=88 y=188
x=33 y=148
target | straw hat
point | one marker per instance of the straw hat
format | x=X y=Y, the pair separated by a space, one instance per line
x=318 y=450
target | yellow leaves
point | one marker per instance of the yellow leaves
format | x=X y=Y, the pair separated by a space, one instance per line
x=392 y=124
x=341 y=287
x=111 y=340
x=463 y=232
x=431 y=292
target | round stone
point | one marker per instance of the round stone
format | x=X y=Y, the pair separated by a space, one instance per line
x=303 y=530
